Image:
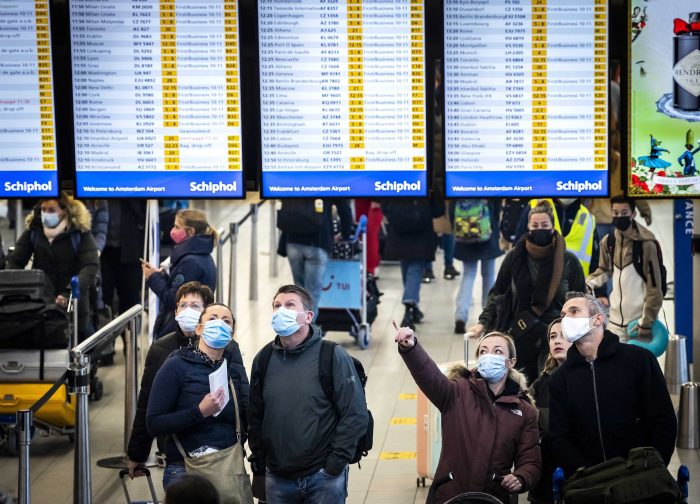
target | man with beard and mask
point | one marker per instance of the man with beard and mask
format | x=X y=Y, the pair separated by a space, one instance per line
x=530 y=289
x=633 y=296
x=301 y=439
x=191 y=299
x=607 y=397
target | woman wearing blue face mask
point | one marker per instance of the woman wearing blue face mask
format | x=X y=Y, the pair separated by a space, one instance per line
x=181 y=402
x=488 y=423
x=59 y=238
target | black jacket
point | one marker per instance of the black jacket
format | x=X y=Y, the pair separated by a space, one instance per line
x=324 y=238
x=602 y=409
x=173 y=407
x=140 y=441
x=419 y=245
x=541 y=492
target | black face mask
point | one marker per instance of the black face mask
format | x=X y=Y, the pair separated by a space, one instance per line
x=622 y=223
x=540 y=237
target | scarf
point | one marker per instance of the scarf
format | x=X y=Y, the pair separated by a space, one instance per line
x=537 y=294
x=52 y=233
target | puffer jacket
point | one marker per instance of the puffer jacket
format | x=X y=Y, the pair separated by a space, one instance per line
x=631 y=298
x=480 y=437
x=59 y=259
x=191 y=261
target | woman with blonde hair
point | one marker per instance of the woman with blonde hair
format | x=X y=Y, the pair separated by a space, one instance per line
x=488 y=423
x=190 y=261
x=59 y=238
x=558 y=347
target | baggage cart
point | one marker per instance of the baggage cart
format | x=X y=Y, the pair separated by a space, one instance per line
x=344 y=304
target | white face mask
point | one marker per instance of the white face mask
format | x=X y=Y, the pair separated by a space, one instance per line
x=575 y=328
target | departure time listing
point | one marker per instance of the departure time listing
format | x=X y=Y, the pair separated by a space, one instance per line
x=342 y=87
x=526 y=91
x=157 y=97
x=27 y=134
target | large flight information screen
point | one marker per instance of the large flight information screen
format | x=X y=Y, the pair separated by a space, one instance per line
x=27 y=124
x=526 y=98
x=156 y=92
x=342 y=97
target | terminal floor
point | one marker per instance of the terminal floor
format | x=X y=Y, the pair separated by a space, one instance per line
x=388 y=475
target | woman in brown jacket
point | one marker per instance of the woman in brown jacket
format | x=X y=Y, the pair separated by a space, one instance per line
x=488 y=423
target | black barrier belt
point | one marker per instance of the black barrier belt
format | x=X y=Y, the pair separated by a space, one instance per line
x=37 y=405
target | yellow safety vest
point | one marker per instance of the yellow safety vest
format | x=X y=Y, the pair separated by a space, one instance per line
x=579 y=241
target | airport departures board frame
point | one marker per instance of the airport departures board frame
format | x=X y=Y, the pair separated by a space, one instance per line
x=663 y=99
x=526 y=98
x=343 y=98
x=28 y=161
x=157 y=101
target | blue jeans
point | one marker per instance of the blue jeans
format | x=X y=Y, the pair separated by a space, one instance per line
x=447 y=242
x=308 y=264
x=172 y=473
x=314 y=488
x=411 y=276
x=466 y=286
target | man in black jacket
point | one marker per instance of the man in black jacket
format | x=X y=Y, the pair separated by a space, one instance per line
x=608 y=397
x=191 y=299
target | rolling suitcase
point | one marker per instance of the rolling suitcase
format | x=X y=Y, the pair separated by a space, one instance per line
x=25 y=284
x=27 y=366
x=58 y=412
x=429 y=427
x=125 y=472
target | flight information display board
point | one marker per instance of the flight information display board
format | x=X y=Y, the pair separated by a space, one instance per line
x=156 y=93
x=526 y=98
x=27 y=126
x=342 y=97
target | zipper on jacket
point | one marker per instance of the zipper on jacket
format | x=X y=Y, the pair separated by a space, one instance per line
x=597 y=412
x=622 y=315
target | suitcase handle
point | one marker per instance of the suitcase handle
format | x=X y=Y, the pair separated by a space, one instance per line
x=12 y=367
x=6 y=401
x=147 y=473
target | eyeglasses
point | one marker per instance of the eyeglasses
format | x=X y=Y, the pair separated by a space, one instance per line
x=194 y=306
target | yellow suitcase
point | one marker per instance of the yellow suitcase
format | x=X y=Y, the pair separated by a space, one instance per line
x=58 y=411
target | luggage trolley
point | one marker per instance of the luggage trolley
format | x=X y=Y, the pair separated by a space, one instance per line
x=35 y=355
x=343 y=305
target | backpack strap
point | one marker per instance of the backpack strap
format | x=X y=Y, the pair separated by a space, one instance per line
x=638 y=259
x=325 y=368
x=75 y=239
x=611 y=247
x=263 y=361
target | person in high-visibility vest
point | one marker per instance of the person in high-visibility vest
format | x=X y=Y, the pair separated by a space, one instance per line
x=577 y=225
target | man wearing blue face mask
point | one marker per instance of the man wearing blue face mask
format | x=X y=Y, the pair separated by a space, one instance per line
x=191 y=299
x=607 y=397
x=182 y=407
x=301 y=439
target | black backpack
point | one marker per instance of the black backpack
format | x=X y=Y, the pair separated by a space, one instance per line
x=638 y=260
x=325 y=366
x=300 y=216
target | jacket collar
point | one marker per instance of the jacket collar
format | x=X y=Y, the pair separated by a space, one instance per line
x=607 y=348
x=511 y=393
x=198 y=244
x=314 y=335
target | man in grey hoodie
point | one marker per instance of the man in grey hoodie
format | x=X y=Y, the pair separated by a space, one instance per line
x=302 y=440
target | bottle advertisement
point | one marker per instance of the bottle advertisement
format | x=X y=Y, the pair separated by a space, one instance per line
x=664 y=98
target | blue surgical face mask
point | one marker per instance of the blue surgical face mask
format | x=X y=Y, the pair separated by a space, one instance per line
x=216 y=334
x=50 y=220
x=188 y=319
x=492 y=367
x=284 y=321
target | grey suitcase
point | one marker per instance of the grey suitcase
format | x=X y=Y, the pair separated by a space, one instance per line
x=31 y=366
x=24 y=285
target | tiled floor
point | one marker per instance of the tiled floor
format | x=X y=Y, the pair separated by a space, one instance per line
x=379 y=480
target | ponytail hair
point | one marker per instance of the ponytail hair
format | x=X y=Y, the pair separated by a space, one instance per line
x=197 y=220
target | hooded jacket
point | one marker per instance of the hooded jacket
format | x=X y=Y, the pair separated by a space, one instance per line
x=173 y=404
x=631 y=298
x=294 y=429
x=140 y=441
x=59 y=259
x=601 y=409
x=190 y=261
x=480 y=437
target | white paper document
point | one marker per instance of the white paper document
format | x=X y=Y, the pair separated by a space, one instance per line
x=217 y=379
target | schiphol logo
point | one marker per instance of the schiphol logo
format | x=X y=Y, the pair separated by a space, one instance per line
x=576 y=186
x=28 y=187
x=213 y=187
x=396 y=187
